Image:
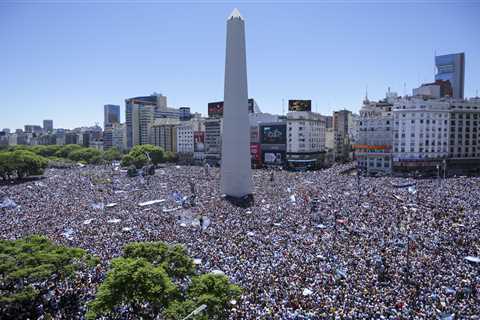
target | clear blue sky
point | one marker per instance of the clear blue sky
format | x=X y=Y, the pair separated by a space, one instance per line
x=64 y=60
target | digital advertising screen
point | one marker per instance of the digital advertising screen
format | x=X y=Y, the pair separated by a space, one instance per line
x=215 y=109
x=299 y=105
x=273 y=134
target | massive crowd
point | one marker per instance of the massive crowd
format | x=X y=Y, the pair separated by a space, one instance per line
x=373 y=249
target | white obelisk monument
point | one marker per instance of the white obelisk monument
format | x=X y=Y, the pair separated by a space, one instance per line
x=236 y=172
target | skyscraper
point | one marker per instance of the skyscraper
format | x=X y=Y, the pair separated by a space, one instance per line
x=47 y=125
x=236 y=172
x=451 y=67
x=111 y=114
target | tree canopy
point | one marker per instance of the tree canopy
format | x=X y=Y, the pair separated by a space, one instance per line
x=138 y=156
x=31 y=266
x=20 y=164
x=154 y=278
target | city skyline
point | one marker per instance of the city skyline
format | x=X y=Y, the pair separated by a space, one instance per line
x=69 y=60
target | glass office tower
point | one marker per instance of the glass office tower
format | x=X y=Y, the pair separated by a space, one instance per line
x=451 y=67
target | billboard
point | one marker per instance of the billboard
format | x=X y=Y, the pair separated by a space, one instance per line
x=299 y=105
x=255 y=152
x=199 y=141
x=215 y=109
x=273 y=157
x=273 y=134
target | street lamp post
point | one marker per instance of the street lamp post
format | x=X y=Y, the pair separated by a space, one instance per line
x=196 y=311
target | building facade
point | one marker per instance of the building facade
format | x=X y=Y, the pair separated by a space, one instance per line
x=111 y=114
x=185 y=141
x=213 y=141
x=273 y=143
x=464 y=135
x=305 y=140
x=342 y=127
x=451 y=67
x=373 y=150
x=420 y=132
x=47 y=126
x=164 y=136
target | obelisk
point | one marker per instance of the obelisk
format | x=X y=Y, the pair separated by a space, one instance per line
x=236 y=172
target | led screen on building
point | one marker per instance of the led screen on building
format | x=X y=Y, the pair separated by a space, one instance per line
x=255 y=152
x=273 y=157
x=273 y=134
x=199 y=141
x=215 y=109
x=299 y=105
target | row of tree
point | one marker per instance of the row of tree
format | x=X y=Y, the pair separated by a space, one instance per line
x=22 y=161
x=141 y=155
x=150 y=279
x=20 y=164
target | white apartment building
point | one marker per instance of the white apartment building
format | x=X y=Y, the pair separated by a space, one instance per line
x=373 y=150
x=185 y=142
x=305 y=139
x=305 y=132
x=465 y=129
x=420 y=129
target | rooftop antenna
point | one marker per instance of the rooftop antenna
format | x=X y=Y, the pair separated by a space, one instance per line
x=404 y=88
x=283 y=107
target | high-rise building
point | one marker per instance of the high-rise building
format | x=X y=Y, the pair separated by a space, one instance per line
x=71 y=138
x=119 y=136
x=451 y=67
x=185 y=142
x=305 y=140
x=111 y=114
x=236 y=171
x=342 y=124
x=140 y=115
x=420 y=132
x=33 y=128
x=185 y=113
x=164 y=136
x=47 y=126
x=373 y=150
x=213 y=140
x=465 y=130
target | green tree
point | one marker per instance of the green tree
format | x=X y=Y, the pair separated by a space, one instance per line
x=173 y=259
x=170 y=157
x=112 y=154
x=7 y=165
x=27 y=266
x=152 y=279
x=137 y=160
x=133 y=282
x=27 y=163
x=65 y=150
x=157 y=154
x=87 y=155
x=45 y=151
x=215 y=291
